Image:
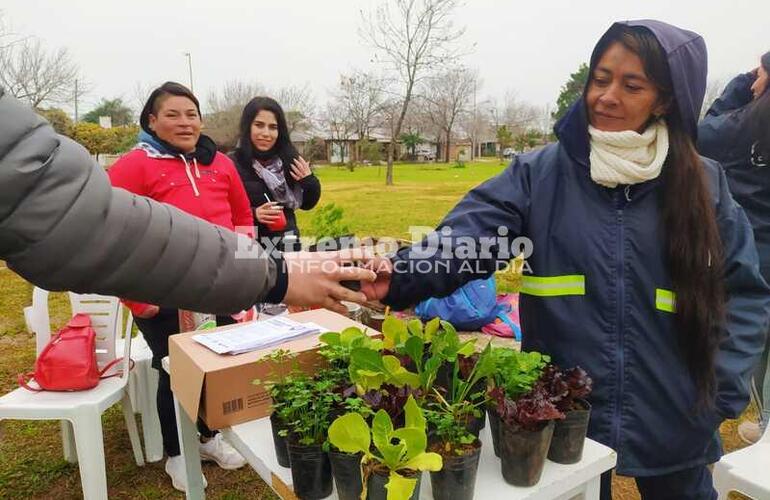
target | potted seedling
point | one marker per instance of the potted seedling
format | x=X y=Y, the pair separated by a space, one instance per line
x=526 y=420
x=337 y=348
x=278 y=388
x=569 y=389
x=449 y=414
x=392 y=459
x=308 y=416
x=516 y=373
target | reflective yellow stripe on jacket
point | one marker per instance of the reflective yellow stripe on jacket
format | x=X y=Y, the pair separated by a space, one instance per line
x=554 y=286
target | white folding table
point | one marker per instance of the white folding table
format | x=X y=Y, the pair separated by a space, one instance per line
x=254 y=441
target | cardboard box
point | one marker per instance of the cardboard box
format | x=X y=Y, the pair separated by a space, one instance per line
x=219 y=388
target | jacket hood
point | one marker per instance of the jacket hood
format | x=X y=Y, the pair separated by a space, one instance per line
x=205 y=149
x=687 y=61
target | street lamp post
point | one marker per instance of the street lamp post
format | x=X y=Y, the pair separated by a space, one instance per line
x=189 y=67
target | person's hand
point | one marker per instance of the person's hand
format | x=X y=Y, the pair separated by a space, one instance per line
x=300 y=169
x=760 y=83
x=268 y=213
x=314 y=278
x=149 y=312
x=378 y=289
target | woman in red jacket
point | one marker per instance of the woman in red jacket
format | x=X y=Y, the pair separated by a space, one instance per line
x=174 y=163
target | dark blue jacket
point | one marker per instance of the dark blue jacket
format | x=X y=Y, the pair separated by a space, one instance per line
x=724 y=135
x=599 y=293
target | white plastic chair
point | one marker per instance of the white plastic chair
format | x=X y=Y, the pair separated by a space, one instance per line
x=143 y=382
x=82 y=410
x=746 y=470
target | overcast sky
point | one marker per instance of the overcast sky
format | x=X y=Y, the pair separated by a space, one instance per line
x=524 y=46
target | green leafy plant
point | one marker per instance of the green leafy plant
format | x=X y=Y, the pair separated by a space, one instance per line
x=397 y=451
x=327 y=222
x=369 y=370
x=516 y=372
x=337 y=346
x=450 y=413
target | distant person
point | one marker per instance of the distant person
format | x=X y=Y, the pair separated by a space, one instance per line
x=736 y=133
x=278 y=180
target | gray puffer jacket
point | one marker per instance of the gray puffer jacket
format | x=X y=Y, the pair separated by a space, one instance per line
x=63 y=227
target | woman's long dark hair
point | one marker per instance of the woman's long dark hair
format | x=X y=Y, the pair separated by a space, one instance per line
x=245 y=152
x=759 y=116
x=694 y=251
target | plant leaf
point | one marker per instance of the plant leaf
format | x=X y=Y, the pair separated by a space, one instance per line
x=415 y=440
x=425 y=461
x=399 y=487
x=330 y=338
x=415 y=327
x=350 y=433
x=431 y=327
x=413 y=348
x=413 y=414
x=394 y=332
x=349 y=334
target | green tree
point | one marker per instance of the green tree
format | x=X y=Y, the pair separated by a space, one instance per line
x=504 y=139
x=571 y=91
x=411 y=140
x=115 y=109
x=59 y=120
x=98 y=140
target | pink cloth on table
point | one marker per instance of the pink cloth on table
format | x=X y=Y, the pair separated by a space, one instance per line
x=510 y=304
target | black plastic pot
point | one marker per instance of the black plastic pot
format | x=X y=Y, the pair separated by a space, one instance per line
x=569 y=435
x=281 y=453
x=522 y=453
x=375 y=487
x=311 y=472
x=494 y=430
x=346 y=469
x=457 y=478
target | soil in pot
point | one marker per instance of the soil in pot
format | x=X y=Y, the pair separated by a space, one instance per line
x=569 y=435
x=375 y=487
x=457 y=478
x=346 y=469
x=281 y=452
x=523 y=452
x=494 y=430
x=311 y=472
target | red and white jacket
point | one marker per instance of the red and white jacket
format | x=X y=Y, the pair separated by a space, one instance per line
x=212 y=192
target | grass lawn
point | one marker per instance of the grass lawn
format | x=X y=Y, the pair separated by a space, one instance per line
x=31 y=463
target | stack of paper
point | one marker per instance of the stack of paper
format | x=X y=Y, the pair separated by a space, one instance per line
x=256 y=335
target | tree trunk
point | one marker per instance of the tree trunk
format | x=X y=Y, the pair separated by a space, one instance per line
x=389 y=171
x=448 y=144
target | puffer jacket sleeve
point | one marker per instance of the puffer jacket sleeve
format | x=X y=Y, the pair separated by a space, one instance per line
x=748 y=306
x=444 y=261
x=723 y=122
x=63 y=227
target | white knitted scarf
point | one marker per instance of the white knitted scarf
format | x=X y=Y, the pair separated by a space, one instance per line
x=628 y=157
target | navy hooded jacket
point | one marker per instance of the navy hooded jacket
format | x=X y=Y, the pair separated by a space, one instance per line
x=599 y=293
x=724 y=135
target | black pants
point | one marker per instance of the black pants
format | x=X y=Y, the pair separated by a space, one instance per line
x=689 y=484
x=156 y=332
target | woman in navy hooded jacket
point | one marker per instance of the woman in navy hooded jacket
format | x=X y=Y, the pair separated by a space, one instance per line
x=736 y=133
x=644 y=270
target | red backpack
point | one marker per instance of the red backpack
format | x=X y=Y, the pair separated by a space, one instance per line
x=68 y=361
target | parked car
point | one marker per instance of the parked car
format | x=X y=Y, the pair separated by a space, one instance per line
x=509 y=153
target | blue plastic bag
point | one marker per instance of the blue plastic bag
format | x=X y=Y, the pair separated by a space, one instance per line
x=469 y=308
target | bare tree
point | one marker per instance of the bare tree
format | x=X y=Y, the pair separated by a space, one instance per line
x=449 y=94
x=339 y=125
x=518 y=115
x=359 y=99
x=298 y=106
x=31 y=73
x=224 y=110
x=412 y=38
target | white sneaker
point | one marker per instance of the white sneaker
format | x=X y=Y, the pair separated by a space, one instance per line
x=175 y=469
x=217 y=450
